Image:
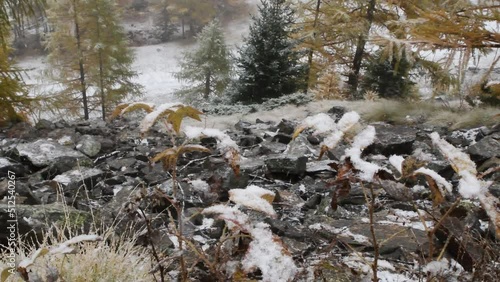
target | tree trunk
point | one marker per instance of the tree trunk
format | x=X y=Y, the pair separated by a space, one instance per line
x=207 y=85
x=353 y=78
x=101 y=73
x=310 y=54
x=183 y=31
x=80 y=63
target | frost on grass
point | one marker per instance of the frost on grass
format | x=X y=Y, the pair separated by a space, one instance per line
x=224 y=142
x=254 y=197
x=321 y=122
x=324 y=124
x=441 y=182
x=200 y=185
x=267 y=253
x=444 y=268
x=458 y=159
x=469 y=186
x=231 y=215
x=364 y=139
x=347 y=121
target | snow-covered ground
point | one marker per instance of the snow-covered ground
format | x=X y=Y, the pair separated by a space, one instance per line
x=155 y=64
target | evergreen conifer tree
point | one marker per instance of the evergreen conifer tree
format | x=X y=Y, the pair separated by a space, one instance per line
x=90 y=56
x=268 y=64
x=208 y=67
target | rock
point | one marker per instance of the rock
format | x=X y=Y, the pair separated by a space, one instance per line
x=392 y=140
x=120 y=164
x=267 y=148
x=486 y=148
x=243 y=126
x=32 y=220
x=313 y=202
x=42 y=153
x=337 y=111
x=23 y=194
x=286 y=229
x=288 y=165
x=22 y=130
x=44 y=124
x=107 y=145
x=286 y=126
x=282 y=138
x=63 y=164
x=97 y=127
x=314 y=140
x=397 y=191
x=7 y=165
x=73 y=179
x=89 y=145
x=249 y=141
x=319 y=166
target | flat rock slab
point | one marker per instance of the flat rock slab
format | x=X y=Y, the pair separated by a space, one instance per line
x=486 y=148
x=42 y=153
x=75 y=178
x=392 y=140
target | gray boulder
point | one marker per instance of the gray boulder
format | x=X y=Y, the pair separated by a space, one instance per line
x=89 y=145
x=286 y=164
x=42 y=152
x=73 y=179
x=7 y=165
x=392 y=140
x=486 y=148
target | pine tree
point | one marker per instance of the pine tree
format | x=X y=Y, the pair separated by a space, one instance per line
x=90 y=56
x=268 y=64
x=207 y=67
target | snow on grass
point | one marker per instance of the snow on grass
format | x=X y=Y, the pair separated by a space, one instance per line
x=397 y=162
x=458 y=159
x=254 y=197
x=231 y=215
x=268 y=254
x=200 y=185
x=347 y=121
x=361 y=141
x=321 y=122
x=224 y=142
x=444 y=268
x=344 y=231
x=441 y=181
x=385 y=269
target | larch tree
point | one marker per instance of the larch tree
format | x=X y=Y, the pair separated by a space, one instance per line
x=207 y=68
x=164 y=19
x=13 y=95
x=268 y=64
x=335 y=34
x=89 y=55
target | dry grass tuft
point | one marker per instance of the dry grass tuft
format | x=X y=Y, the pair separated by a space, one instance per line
x=113 y=259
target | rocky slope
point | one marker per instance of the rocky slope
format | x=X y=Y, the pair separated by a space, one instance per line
x=92 y=172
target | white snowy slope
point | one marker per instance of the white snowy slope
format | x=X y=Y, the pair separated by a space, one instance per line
x=155 y=64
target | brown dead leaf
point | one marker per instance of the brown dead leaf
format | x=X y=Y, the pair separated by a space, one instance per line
x=437 y=197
